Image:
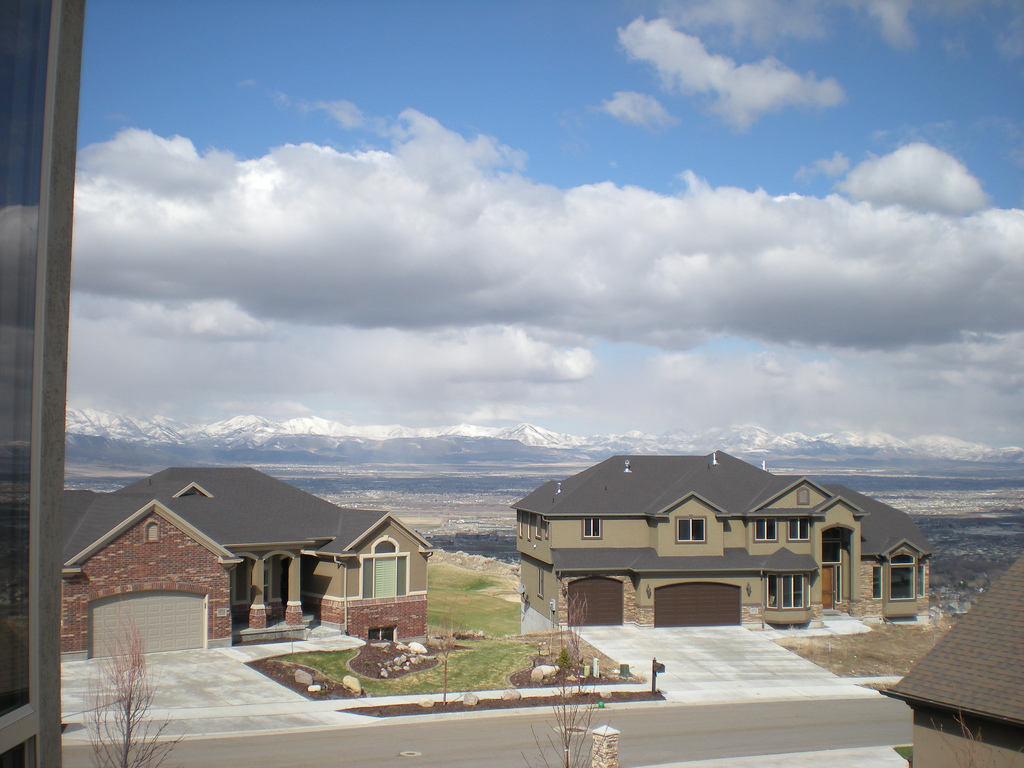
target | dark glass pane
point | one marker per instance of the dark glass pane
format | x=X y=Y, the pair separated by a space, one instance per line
x=901 y=583
x=13 y=758
x=24 y=35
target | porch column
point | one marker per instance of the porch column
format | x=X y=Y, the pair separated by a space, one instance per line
x=293 y=609
x=258 y=609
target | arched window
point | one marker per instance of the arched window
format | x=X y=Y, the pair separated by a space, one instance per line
x=384 y=572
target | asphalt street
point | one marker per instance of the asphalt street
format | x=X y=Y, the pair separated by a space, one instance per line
x=650 y=736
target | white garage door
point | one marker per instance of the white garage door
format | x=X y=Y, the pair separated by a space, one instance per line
x=167 y=621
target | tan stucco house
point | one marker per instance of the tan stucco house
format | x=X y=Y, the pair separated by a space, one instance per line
x=712 y=540
x=967 y=694
x=203 y=557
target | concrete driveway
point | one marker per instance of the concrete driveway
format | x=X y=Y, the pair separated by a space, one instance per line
x=715 y=664
x=214 y=687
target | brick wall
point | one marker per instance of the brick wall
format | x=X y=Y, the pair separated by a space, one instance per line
x=407 y=614
x=175 y=562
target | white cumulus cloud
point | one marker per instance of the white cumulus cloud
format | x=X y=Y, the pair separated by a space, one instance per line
x=741 y=92
x=640 y=109
x=918 y=176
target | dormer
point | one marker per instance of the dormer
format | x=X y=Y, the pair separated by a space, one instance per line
x=193 y=489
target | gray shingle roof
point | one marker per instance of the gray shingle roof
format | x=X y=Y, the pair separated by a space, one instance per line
x=655 y=483
x=245 y=506
x=883 y=527
x=978 y=667
x=647 y=560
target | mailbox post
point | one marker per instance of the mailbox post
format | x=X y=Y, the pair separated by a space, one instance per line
x=656 y=667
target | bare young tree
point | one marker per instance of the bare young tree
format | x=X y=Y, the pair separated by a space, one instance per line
x=121 y=730
x=575 y=618
x=445 y=639
x=571 y=713
x=571 y=718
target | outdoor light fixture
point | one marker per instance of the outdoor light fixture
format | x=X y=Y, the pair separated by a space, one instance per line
x=648 y=591
x=749 y=590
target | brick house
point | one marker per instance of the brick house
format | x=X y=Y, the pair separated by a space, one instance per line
x=712 y=540
x=203 y=557
x=967 y=693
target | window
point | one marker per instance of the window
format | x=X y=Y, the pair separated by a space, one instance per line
x=690 y=529
x=920 y=580
x=542 y=528
x=381 y=635
x=152 y=532
x=592 y=528
x=876 y=582
x=764 y=529
x=540 y=582
x=803 y=497
x=901 y=578
x=384 y=572
x=786 y=591
x=832 y=546
x=522 y=524
x=799 y=529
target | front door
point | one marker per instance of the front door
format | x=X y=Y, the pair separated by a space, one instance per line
x=827 y=574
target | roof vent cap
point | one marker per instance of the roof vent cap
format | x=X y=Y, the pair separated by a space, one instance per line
x=626 y=468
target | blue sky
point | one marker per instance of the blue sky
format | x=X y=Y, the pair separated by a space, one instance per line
x=595 y=217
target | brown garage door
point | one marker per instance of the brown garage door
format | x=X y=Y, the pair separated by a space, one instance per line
x=597 y=600
x=166 y=621
x=696 y=605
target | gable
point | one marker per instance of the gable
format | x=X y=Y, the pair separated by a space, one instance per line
x=408 y=541
x=153 y=508
x=803 y=495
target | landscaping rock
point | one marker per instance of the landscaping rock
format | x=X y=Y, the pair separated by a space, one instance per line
x=606 y=694
x=511 y=694
x=417 y=648
x=314 y=688
x=384 y=674
x=542 y=672
x=352 y=685
x=470 y=699
x=302 y=677
x=426 y=703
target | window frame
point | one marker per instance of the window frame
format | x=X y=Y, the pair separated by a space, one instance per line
x=691 y=538
x=876 y=582
x=151 y=532
x=764 y=523
x=803 y=529
x=776 y=597
x=904 y=565
x=591 y=528
x=803 y=497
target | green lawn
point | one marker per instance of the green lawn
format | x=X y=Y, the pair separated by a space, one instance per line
x=468 y=599
x=483 y=665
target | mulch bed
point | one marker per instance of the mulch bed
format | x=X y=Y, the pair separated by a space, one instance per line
x=373 y=657
x=369 y=661
x=397 y=710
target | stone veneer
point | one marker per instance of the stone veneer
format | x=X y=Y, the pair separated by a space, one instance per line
x=129 y=563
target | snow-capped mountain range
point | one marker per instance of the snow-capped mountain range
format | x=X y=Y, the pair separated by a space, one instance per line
x=100 y=436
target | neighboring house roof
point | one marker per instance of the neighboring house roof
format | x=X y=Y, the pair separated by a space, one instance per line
x=978 y=667
x=655 y=484
x=232 y=506
x=647 y=559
